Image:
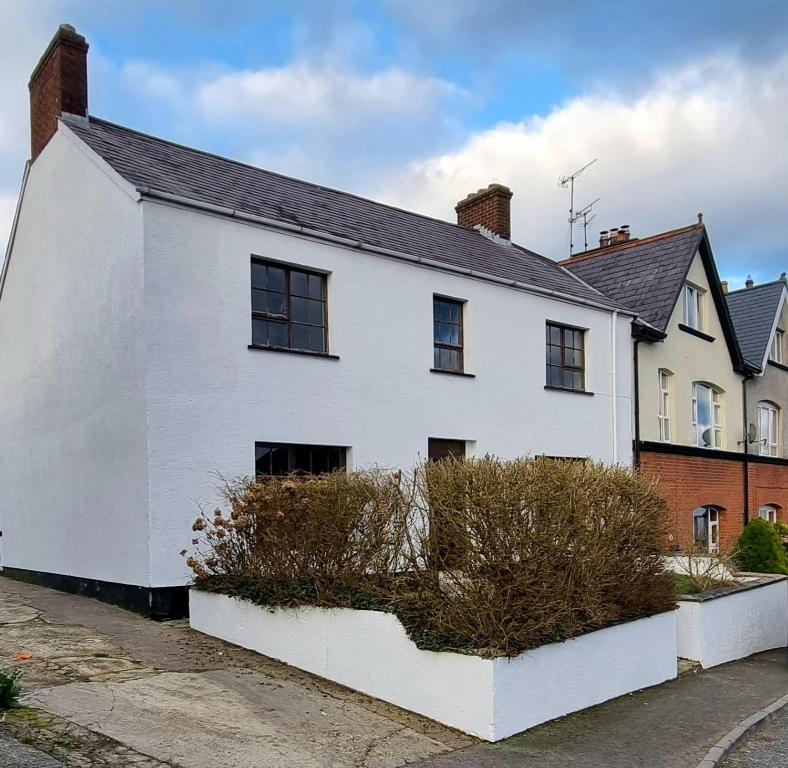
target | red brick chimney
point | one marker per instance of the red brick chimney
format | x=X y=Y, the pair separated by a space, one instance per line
x=59 y=84
x=489 y=208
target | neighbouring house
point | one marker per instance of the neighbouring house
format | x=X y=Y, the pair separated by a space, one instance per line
x=167 y=314
x=690 y=377
x=760 y=317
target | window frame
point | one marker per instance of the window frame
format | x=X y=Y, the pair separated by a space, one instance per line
x=771 y=513
x=438 y=345
x=715 y=411
x=777 y=346
x=664 y=404
x=291 y=449
x=711 y=518
x=289 y=293
x=693 y=299
x=769 y=444
x=562 y=366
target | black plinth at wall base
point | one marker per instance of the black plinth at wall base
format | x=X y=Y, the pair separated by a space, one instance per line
x=157 y=603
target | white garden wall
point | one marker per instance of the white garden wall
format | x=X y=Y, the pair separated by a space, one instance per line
x=719 y=627
x=369 y=651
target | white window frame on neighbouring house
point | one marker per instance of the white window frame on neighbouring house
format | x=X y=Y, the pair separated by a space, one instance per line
x=768 y=429
x=777 y=346
x=706 y=528
x=700 y=390
x=664 y=377
x=768 y=512
x=693 y=307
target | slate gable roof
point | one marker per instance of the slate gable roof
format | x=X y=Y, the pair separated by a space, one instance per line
x=645 y=275
x=155 y=164
x=753 y=311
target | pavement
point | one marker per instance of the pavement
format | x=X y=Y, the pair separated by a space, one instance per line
x=767 y=748
x=105 y=688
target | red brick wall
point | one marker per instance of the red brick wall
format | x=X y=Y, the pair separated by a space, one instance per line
x=489 y=207
x=689 y=482
x=768 y=485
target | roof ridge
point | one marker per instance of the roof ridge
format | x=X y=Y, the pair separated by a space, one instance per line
x=759 y=285
x=286 y=177
x=631 y=243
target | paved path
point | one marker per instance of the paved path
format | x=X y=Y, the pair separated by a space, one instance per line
x=767 y=748
x=108 y=688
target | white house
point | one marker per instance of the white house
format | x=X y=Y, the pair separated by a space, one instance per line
x=166 y=315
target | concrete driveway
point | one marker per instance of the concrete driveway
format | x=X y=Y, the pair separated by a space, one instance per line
x=105 y=687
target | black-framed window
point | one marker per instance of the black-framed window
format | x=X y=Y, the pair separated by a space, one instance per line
x=447 y=334
x=565 y=357
x=439 y=449
x=285 y=458
x=288 y=307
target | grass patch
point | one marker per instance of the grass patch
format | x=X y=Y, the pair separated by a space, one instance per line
x=687 y=585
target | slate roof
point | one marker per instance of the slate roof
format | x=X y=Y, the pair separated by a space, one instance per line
x=159 y=165
x=753 y=311
x=646 y=274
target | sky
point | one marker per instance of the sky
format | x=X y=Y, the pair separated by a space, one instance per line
x=683 y=105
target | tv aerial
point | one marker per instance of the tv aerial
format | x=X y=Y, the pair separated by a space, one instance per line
x=569 y=181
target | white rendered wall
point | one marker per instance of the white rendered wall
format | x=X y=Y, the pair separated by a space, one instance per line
x=370 y=651
x=210 y=398
x=73 y=457
x=733 y=625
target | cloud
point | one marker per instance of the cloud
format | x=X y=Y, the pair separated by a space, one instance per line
x=709 y=137
x=305 y=92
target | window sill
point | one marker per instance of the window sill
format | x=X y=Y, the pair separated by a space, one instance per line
x=567 y=389
x=303 y=352
x=781 y=366
x=695 y=332
x=453 y=373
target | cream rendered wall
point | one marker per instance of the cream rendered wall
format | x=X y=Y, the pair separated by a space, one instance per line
x=210 y=397
x=73 y=448
x=690 y=359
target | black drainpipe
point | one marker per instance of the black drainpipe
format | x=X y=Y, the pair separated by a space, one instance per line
x=746 y=451
x=636 y=382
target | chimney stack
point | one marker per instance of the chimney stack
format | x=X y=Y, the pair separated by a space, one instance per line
x=724 y=286
x=489 y=208
x=58 y=85
x=749 y=282
x=623 y=233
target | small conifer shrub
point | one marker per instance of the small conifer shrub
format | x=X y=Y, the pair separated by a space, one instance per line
x=760 y=549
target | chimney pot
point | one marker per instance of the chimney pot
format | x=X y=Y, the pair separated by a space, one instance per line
x=489 y=207
x=749 y=282
x=784 y=277
x=700 y=218
x=58 y=85
x=604 y=238
x=724 y=286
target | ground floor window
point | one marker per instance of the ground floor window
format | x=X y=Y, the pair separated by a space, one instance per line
x=768 y=513
x=284 y=458
x=706 y=522
x=439 y=448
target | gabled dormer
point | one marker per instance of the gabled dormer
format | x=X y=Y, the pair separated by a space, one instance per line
x=690 y=366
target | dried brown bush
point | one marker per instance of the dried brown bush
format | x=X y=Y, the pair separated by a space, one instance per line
x=485 y=555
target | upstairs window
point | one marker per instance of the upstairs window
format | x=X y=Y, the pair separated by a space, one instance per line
x=768 y=429
x=288 y=308
x=776 y=347
x=664 y=405
x=447 y=334
x=693 y=307
x=706 y=415
x=565 y=357
x=276 y=459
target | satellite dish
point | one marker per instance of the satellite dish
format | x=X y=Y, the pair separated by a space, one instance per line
x=707 y=437
x=752 y=433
